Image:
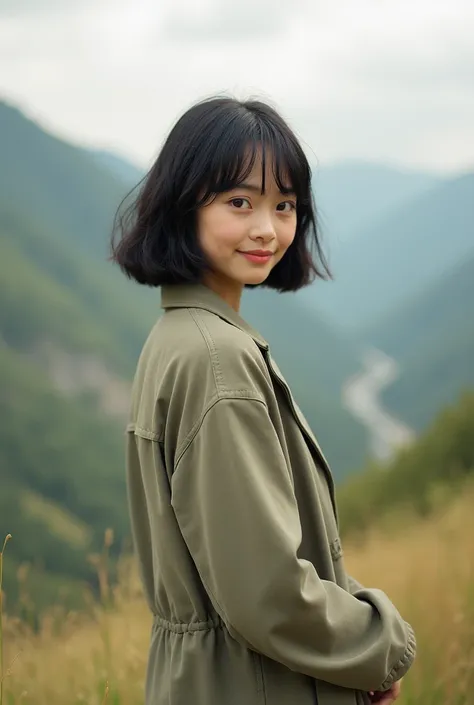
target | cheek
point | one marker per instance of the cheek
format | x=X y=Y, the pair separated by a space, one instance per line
x=218 y=230
x=287 y=235
x=285 y=238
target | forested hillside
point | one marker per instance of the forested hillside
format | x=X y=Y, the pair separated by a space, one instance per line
x=61 y=480
x=420 y=479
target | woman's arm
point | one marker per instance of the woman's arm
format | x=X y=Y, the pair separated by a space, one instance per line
x=234 y=501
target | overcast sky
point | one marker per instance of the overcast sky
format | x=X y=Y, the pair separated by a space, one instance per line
x=383 y=80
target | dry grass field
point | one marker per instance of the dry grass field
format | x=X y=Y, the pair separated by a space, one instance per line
x=425 y=566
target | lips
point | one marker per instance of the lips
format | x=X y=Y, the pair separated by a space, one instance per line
x=257 y=253
x=257 y=256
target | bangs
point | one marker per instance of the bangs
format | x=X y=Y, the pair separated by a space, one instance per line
x=246 y=140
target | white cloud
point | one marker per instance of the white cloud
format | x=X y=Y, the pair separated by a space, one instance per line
x=372 y=79
x=217 y=21
x=39 y=8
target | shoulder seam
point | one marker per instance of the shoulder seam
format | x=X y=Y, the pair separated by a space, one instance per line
x=211 y=346
x=243 y=394
x=221 y=391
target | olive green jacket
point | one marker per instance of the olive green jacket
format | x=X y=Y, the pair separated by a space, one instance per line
x=234 y=522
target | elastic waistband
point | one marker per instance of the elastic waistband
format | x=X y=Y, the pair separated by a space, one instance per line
x=184 y=627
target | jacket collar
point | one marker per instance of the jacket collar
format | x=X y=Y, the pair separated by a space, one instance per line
x=200 y=296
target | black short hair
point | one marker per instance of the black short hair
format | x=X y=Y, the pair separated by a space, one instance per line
x=207 y=152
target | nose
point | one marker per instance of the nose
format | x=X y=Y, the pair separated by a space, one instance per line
x=263 y=229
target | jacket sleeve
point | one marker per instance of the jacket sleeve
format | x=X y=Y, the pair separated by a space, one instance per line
x=354 y=585
x=234 y=501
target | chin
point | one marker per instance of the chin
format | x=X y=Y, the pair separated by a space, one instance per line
x=256 y=279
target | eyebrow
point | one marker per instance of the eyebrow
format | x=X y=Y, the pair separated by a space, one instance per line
x=258 y=189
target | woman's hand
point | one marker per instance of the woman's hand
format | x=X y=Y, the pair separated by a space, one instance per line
x=388 y=696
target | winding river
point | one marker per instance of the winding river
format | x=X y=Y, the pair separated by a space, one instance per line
x=361 y=396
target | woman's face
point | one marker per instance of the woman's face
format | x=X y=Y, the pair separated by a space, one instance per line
x=244 y=233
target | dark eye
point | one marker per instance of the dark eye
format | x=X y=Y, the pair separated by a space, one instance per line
x=286 y=206
x=241 y=203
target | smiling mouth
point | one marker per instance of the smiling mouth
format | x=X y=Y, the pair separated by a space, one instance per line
x=257 y=257
x=261 y=253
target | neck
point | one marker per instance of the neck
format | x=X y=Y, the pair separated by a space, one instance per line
x=228 y=290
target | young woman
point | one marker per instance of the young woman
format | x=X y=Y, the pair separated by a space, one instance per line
x=231 y=499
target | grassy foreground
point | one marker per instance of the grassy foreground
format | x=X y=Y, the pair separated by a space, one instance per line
x=425 y=566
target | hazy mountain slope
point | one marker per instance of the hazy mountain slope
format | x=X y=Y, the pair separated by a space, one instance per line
x=439 y=313
x=432 y=337
x=352 y=194
x=130 y=174
x=95 y=292
x=58 y=183
x=400 y=255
